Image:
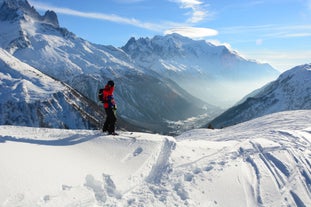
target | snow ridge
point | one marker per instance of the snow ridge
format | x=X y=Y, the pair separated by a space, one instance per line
x=162 y=165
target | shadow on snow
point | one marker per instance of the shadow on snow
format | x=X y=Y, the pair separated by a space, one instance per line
x=71 y=140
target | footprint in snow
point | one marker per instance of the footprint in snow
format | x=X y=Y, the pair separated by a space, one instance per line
x=137 y=151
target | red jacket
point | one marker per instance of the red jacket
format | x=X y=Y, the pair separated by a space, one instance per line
x=108 y=97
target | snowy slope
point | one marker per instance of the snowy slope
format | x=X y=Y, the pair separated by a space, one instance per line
x=203 y=69
x=30 y=98
x=263 y=162
x=291 y=91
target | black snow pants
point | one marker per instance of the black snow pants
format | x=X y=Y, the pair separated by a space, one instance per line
x=110 y=121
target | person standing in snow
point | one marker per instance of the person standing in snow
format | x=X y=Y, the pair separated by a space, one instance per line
x=110 y=108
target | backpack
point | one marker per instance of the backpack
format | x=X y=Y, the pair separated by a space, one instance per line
x=101 y=95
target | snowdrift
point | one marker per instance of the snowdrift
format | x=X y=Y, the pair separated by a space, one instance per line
x=263 y=162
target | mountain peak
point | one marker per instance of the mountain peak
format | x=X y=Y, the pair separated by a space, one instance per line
x=18 y=9
x=51 y=18
x=299 y=72
x=14 y=2
x=9 y=9
x=174 y=45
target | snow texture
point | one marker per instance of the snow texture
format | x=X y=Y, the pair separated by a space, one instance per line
x=263 y=162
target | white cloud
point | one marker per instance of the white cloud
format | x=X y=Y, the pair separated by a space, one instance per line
x=180 y=28
x=298 y=35
x=281 y=60
x=159 y=27
x=100 y=16
x=259 y=42
x=193 y=32
x=198 y=12
x=128 y=1
x=268 y=32
x=217 y=43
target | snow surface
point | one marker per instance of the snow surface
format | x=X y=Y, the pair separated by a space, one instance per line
x=263 y=162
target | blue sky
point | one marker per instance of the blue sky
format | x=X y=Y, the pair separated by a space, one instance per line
x=274 y=31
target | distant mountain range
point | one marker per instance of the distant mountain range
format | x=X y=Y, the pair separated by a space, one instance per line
x=212 y=73
x=291 y=91
x=159 y=81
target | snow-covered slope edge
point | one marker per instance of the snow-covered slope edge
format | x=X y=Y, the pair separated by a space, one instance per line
x=263 y=162
x=291 y=91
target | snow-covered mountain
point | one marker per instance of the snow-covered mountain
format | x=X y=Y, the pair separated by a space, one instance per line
x=291 y=91
x=143 y=97
x=30 y=98
x=263 y=162
x=212 y=73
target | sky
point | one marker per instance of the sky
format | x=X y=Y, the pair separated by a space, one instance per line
x=277 y=32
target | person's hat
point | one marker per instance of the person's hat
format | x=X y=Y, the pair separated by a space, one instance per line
x=110 y=83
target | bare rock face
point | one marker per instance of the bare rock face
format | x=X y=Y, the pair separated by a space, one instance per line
x=51 y=18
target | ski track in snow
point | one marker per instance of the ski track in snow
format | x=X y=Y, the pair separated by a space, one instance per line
x=239 y=165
